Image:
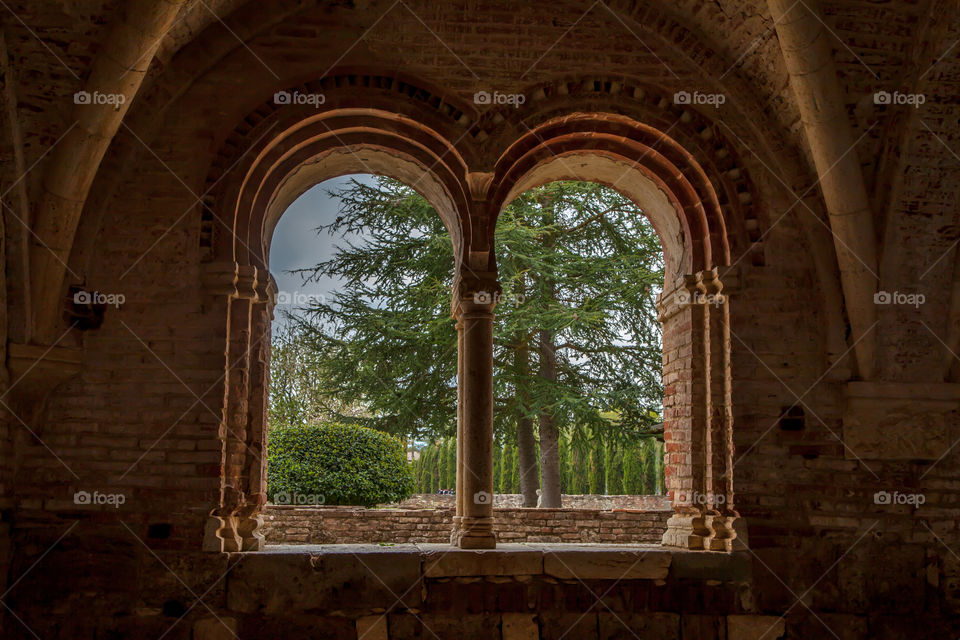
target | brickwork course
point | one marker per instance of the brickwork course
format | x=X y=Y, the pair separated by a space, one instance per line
x=800 y=162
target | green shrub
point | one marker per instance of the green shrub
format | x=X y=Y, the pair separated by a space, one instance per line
x=336 y=464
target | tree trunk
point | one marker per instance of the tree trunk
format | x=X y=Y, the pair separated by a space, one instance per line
x=549 y=438
x=526 y=443
x=527 y=454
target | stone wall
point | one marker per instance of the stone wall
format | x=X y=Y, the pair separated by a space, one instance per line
x=574 y=501
x=332 y=525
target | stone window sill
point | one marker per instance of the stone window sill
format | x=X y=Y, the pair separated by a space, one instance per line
x=370 y=579
x=555 y=560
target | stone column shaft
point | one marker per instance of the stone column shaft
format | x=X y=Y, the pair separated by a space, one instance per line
x=475 y=298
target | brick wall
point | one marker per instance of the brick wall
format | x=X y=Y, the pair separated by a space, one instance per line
x=331 y=525
x=130 y=424
x=576 y=501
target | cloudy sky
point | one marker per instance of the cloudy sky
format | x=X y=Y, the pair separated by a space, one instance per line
x=296 y=244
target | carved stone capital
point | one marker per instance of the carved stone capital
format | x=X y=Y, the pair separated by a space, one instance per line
x=219 y=279
x=474 y=292
x=709 y=282
x=701 y=288
x=479 y=184
x=267 y=290
x=247 y=282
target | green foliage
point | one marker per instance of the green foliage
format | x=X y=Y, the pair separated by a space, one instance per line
x=437 y=467
x=575 y=259
x=336 y=464
x=624 y=467
x=633 y=480
x=614 y=470
x=451 y=453
x=509 y=472
x=598 y=481
x=580 y=269
x=564 y=455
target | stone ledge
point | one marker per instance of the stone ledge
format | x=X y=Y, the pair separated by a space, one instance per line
x=563 y=561
x=607 y=563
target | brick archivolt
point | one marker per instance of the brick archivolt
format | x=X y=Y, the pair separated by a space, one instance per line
x=703 y=210
x=275 y=156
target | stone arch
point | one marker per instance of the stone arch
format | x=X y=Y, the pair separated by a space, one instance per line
x=265 y=167
x=690 y=132
x=676 y=194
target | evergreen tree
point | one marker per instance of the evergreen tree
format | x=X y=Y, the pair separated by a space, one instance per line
x=633 y=483
x=565 y=465
x=580 y=269
x=613 y=466
x=508 y=472
x=597 y=476
x=451 y=454
x=497 y=464
x=441 y=463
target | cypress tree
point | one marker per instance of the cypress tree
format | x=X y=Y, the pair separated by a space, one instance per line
x=451 y=454
x=564 y=465
x=614 y=469
x=597 y=479
x=632 y=471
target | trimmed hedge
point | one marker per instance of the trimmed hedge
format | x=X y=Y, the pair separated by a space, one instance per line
x=336 y=464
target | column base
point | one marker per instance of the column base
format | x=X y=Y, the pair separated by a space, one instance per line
x=455 y=531
x=220 y=535
x=687 y=531
x=250 y=530
x=475 y=533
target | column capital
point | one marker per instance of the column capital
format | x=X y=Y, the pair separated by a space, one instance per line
x=246 y=282
x=266 y=290
x=474 y=292
x=219 y=278
x=705 y=287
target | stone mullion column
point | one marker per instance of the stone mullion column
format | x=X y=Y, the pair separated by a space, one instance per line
x=476 y=297
x=233 y=429
x=455 y=534
x=686 y=433
x=712 y=401
x=255 y=469
x=219 y=283
x=721 y=427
